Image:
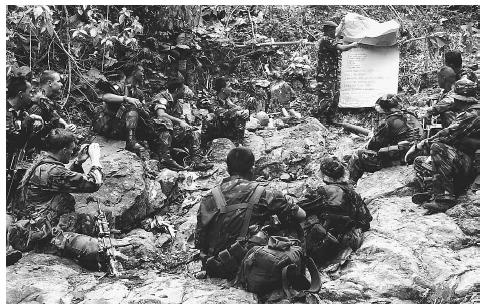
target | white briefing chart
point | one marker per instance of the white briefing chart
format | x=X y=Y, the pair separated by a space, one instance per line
x=367 y=73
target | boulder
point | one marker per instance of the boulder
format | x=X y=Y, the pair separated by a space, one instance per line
x=406 y=256
x=125 y=192
x=391 y=180
x=219 y=149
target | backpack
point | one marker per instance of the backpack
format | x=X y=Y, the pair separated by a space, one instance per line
x=279 y=264
x=226 y=230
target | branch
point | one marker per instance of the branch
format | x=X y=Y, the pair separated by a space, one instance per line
x=302 y=42
x=69 y=60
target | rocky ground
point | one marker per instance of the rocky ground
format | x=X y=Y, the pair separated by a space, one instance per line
x=407 y=256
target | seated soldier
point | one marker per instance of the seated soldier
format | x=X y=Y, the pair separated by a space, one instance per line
x=45 y=196
x=20 y=127
x=46 y=104
x=173 y=130
x=453 y=161
x=119 y=117
x=336 y=214
x=455 y=101
x=390 y=142
x=234 y=212
x=453 y=59
x=226 y=119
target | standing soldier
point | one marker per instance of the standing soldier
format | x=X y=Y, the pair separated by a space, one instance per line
x=226 y=119
x=328 y=71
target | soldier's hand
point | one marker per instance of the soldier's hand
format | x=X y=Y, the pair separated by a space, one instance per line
x=133 y=101
x=243 y=113
x=409 y=153
x=83 y=153
x=71 y=127
x=185 y=126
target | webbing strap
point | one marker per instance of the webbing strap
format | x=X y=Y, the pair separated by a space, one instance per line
x=254 y=199
x=218 y=197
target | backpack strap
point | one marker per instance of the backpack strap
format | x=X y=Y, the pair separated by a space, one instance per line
x=253 y=199
x=315 y=282
x=218 y=197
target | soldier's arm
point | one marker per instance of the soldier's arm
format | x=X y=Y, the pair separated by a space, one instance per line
x=345 y=47
x=464 y=125
x=285 y=210
x=379 y=139
x=65 y=180
x=160 y=109
x=441 y=106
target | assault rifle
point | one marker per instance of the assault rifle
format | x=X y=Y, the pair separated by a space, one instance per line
x=104 y=238
x=354 y=128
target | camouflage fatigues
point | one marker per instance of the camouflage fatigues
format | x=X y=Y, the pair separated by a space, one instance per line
x=398 y=126
x=114 y=119
x=18 y=124
x=173 y=135
x=448 y=108
x=340 y=211
x=237 y=190
x=452 y=152
x=222 y=121
x=327 y=77
x=44 y=199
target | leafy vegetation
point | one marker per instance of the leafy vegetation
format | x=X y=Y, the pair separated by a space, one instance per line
x=91 y=42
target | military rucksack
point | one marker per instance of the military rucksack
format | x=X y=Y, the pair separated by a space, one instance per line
x=279 y=264
x=226 y=229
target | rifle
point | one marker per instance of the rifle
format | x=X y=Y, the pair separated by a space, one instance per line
x=104 y=239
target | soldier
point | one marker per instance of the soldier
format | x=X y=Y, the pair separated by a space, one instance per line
x=328 y=71
x=455 y=101
x=173 y=130
x=119 y=116
x=230 y=217
x=390 y=142
x=20 y=126
x=50 y=86
x=226 y=119
x=336 y=214
x=453 y=59
x=45 y=196
x=453 y=161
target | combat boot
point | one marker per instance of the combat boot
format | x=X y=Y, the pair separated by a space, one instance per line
x=200 y=165
x=13 y=256
x=131 y=143
x=171 y=164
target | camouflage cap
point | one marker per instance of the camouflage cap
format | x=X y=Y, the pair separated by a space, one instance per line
x=465 y=87
x=389 y=101
x=333 y=170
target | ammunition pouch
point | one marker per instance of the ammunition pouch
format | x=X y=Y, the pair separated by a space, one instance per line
x=226 y=263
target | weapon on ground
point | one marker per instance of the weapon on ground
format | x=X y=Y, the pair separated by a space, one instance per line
x=354 y=128
x=104 y=239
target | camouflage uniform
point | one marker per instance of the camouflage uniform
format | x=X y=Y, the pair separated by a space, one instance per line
x=327 y=77
x=338 y=210
x=48 y=110
x=398 y=126
x=222 y=121
x=237 y=190
x=18 y=124
x=453 y=155
x=170 y=135
x=44 y=199
x=449 y=106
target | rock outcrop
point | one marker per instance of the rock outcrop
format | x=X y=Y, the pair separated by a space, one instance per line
x=406 y=257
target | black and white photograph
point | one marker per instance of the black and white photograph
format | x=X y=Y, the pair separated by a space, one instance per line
x=242 y=154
